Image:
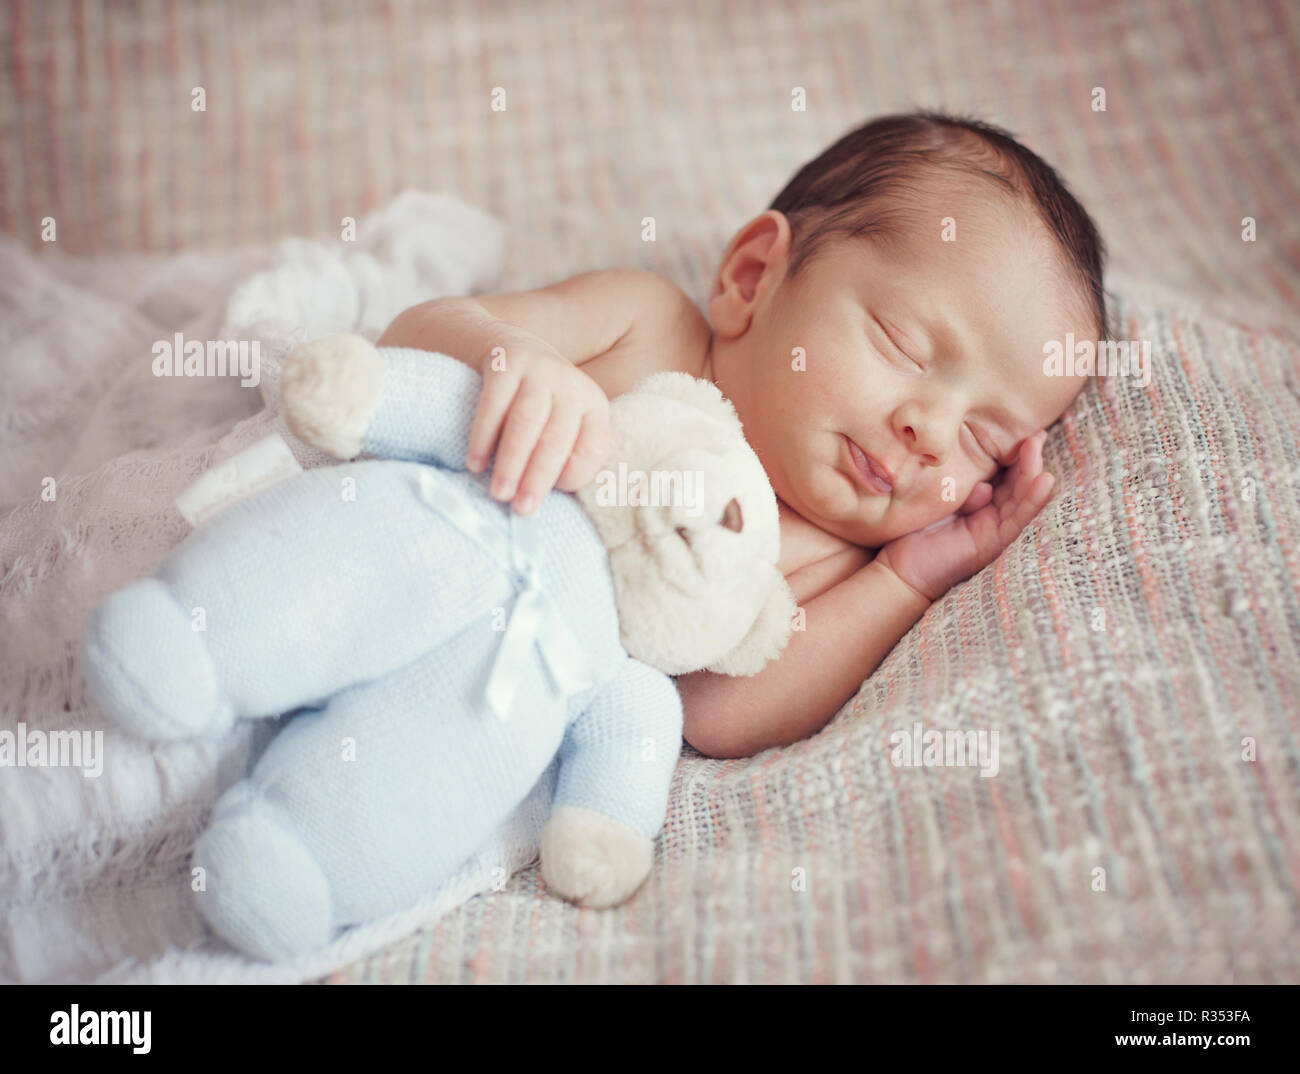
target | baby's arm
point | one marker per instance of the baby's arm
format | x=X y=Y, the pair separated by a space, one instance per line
x=580 y=318
x=853 y=624
x=550 y=417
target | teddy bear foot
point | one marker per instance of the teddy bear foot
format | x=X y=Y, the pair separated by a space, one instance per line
x=148 y=668
x=591 y=859
x=264 y=892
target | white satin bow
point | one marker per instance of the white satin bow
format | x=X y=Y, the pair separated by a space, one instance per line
x=535 y=620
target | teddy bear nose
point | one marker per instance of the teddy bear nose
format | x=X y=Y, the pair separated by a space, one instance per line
x=731 y=516
x=732 y=519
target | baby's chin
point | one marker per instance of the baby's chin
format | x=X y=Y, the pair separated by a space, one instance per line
x=835 y=505
x=839 y=508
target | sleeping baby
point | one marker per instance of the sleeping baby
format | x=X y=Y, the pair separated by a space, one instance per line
x=880 y=330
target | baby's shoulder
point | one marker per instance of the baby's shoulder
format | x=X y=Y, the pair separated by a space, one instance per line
x=667 y=332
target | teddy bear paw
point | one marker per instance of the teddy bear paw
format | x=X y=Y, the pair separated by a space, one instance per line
x=263 y=890
x=592 y=860
x=331 y=389
x=148 y=668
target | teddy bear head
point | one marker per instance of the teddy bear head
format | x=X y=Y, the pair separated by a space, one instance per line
x=690 y=521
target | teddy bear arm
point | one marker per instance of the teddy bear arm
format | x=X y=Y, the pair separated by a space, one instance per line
x=346 y=396
x=426 y=409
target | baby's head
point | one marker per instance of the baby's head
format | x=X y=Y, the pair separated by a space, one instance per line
x=898 y=294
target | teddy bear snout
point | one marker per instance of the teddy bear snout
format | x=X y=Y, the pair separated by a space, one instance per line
x=732 y=519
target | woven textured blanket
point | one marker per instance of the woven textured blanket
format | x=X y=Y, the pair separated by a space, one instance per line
x=1133 y=656
x=1136 y=649
x=1137 y=654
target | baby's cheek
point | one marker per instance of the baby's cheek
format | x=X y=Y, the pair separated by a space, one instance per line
x=944 y=494
x=972 y=474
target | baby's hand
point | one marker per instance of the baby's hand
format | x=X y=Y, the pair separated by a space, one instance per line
x=934 y=559
x=552 y=420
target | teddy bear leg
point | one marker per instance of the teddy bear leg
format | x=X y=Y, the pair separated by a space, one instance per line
x=148 y=667
x=262 y=889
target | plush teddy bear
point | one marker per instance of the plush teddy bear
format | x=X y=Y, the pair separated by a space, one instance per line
x=437 y=650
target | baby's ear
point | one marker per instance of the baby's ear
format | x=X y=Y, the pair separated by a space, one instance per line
x=699 y=393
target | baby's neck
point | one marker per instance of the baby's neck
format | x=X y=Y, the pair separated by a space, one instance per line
x=707 y=371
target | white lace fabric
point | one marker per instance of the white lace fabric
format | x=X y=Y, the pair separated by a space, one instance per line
x=93 y=870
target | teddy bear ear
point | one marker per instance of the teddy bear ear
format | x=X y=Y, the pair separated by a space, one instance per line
x=766 y=638
x=692 y=390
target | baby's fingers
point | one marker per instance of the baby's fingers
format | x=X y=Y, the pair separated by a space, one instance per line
x=1027 y=466
x=1025 y=507
x=548 y=459
x=981 y=494
x=528 y=417
x=499 y=390
x=589 y=453
x=1034 y=455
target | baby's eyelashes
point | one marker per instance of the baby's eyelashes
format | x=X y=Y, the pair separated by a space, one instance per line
x=980 y=445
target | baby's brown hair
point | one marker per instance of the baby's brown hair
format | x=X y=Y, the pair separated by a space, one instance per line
x=860 y=186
